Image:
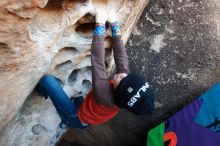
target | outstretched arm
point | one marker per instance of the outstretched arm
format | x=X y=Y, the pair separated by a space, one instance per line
x=120 y=56
x=102 y=90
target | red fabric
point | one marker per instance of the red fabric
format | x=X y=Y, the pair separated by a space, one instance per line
x=91 y=112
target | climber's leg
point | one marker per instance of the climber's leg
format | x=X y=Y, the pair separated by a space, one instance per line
x=50 y=86
x=78 y=101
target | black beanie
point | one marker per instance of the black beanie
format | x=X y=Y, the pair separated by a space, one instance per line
x=135 y=94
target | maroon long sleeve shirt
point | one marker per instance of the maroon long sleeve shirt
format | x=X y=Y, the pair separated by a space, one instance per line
x=98 y=106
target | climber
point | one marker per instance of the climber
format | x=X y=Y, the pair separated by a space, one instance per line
x=126 y=90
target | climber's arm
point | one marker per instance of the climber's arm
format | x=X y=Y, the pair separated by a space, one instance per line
x=120 y=56
x=101 y=88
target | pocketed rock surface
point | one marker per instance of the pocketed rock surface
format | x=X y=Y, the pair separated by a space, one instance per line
x=175 y=45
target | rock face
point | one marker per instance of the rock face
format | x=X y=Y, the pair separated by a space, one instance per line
x=186 y=60
x=41 y=36
x=176 y=46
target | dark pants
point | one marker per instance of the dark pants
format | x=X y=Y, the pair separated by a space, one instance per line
x=50 y=86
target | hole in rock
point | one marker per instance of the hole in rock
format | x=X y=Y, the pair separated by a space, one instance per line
x=108 y=52
x=106 y=65
x=68 y=50
x=86 y=30
x=87 y=84
x=86 y=26
x=86 y=19
x=5 y=47
x=39 y=129
x=54 y=4
x=107 y=25
x=88 y=68
x=64 y=66
x=72 y=77
x=67 y=53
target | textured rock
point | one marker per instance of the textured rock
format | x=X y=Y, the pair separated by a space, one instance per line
x=38 y=37
x=185 y=65
x=188 y=61
x=188 y=64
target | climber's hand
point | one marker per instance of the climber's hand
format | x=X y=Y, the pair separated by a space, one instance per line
x=112 y=16
x=101 y=16
x=101 y=11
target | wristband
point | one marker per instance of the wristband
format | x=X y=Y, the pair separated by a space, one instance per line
x=115 y=29
x=99 y=29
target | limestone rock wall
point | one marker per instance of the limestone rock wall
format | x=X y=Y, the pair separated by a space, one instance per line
x=41 y=36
